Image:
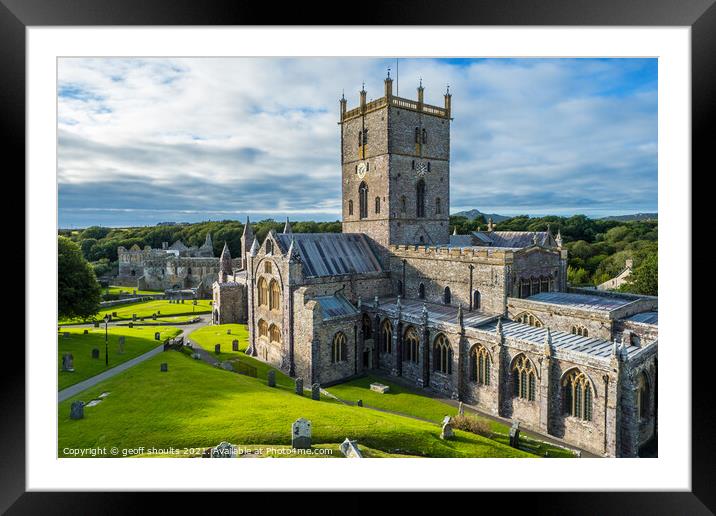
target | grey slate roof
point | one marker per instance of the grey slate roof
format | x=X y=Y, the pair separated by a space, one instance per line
x=583 y=301
x=178 y=246
x=437 y=313
x=645 y=318
x=560 y=340
x=335 y=306
x=329 y=254
x=515 y=239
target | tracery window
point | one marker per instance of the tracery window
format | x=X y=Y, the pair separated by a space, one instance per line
x=363 y=200
x=524 y=378
x=442 y=355
x=528 y=318
x=386 y=337
x=480 y=365
x=577 y=395
x=367 y=327
x=267 y=267
x=262 y=291
x=580 y=330
x=274 y=334
x=274 y=296
x=338 y=348
x=410 y=345
x=263 y=329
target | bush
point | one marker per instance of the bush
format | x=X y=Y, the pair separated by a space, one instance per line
x=473 y=425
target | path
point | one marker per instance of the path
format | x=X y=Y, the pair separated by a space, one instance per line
x=91 y=382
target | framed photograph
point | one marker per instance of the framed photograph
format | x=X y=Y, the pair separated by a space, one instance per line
x=426 y=243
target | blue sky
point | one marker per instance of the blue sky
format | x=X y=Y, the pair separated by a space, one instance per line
x=142 y=141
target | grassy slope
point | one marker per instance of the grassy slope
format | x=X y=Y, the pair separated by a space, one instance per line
x=147 y=308
x=196 y=405
x=411 y=402
x=137 y=342
x=129 y=290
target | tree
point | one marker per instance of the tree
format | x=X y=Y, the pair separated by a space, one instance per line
x=77 y=287
x=644 y=279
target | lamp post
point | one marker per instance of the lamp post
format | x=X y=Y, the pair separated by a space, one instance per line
x=106 y=337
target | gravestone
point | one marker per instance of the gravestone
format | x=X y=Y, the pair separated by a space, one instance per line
x=67 y=363
x=235 y=345
x=121 y=345
x=154 y=317
x=223 y=450
x=157 y=335
x=77 y=410
x=228 y=332
x=359 y=403
x=130 y=325
x=85 y=332
x=134 y=317
x=159 y=312
x=379 y=387
x=96 y=324
x=350 y=449
x=95 y=352
x=299 y=386
x=461 y=409
x=446 y=432
x=164 y=367
x=515 y=434
x=316 y=391
x=217 y=348
x=301 y=434
x=194 y=301
x=271 y=377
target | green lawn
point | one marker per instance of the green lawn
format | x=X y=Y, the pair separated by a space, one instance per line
x=208 y=336
x=282 y=451
x=409 y=401
x=145 y=309
x=130 y=290
x=137 y=342
x=194 y=405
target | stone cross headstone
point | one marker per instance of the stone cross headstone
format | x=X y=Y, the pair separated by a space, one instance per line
x=77 y=410
x=217 y=348
x=515 y=434
x=350 y=449
x=95 y=352
x=157 y=335
x=121 y=344
x=271 y=377
x=235 y=345
x=299 y=386
x=316 y=391
x=164 y=367
x=446 y=432
x=461 y=409
x=67 y=362
x=301 y=434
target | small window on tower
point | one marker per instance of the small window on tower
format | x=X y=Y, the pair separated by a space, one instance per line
x=367 y=166
x=428 y=166
x=438 y=206
x=413 y=165
x=377 y=204
x=350 y=207
x=365 y=136
x=417 y=135
x=360 y=138
x=425 y=136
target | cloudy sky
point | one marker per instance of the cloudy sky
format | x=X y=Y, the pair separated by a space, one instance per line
x=147 y=140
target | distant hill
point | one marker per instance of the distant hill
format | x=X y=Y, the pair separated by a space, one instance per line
x=473 y=214
x=632 y=217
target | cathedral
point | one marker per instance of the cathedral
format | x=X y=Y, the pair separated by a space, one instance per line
x=486 y=318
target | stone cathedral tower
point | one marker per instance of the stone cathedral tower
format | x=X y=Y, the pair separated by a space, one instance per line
x=395 y=157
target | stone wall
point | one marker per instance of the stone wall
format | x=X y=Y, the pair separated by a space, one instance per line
x=230 y=303
x=563 y=318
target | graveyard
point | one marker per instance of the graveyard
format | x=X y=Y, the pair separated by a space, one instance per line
x=137 y=340
x=194 y=405
x=146 y=309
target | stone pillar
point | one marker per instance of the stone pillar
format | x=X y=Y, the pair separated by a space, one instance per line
x=378 y=338
x=315 y=360
x=425 y=346
x=629 y=426
x=398 y=348
x=545 y=392
x=461 y=387
x=501 y=364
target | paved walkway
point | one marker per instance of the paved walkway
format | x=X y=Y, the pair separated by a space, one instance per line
x=94 y=380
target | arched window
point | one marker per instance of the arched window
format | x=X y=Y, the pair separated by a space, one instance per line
x=274 y=334
x=365 y=136
x=480 y=365
x=524 y=378
x=447 y=296
x=274 y=295
x=544 y=283
x=420 y=199
x=642 y=396
x=402 y=204
x=262 y=292
x=438 y=206
x=535 y=286
x=421 y=291
x=528 y=318
x=386 y=337
x=417 y=135
x=442 y=355
x=411 y=344
x=363 y=200
x=413 y=165
x=377 y=204
x=577 y=395
x=132 y=272
x=350 y=207
x=263 y=329
x=269 y=246
x=476 y=300
x=524 y=288
x=425 y=136
x=580 y=330
x=188 y=271
x=267 y=267
x=360 y=138
x=367 y=327
x=338 y=348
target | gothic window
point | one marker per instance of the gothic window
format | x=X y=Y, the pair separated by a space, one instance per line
x=479 y=365
x=417 y=135
x=528 y=318
x=442 y=355
x=262 y=292
x=338 y=348
x=580 y=330
x=524 y=378
x=544 y=284
x=411 y=344
x=386 y=337
x=421 y=291
x=642 y=397
x=476 y=300
x=420 y=199
x=438 y=206
x=577 y=395
x=367 y=327
x=274 y=334
x=350 y=207
x=524 y=288
x=267 y=267
x=363 y=200
x=269 y=246
x=274 y=296
x=535 y=286
x=425 y=136
x=263 y=329
x=377 y=204
x=402 y=204
x=447 y=296
x=365 y=136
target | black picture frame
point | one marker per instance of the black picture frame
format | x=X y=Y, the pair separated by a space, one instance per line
x=700 y=15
